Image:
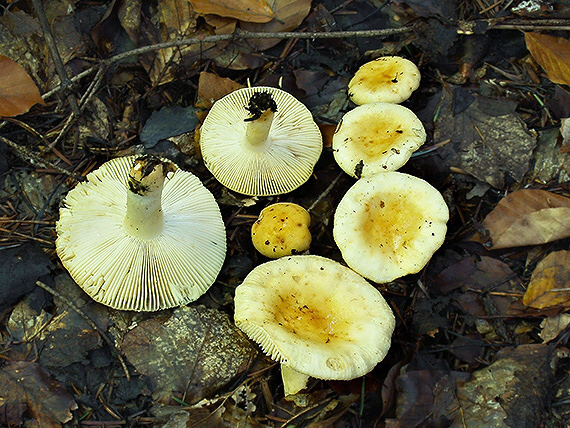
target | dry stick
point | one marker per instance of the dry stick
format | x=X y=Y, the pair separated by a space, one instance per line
x=90 y=322
x=237 y=35
x=34 y=159
x=58 y=63
x=326 y=192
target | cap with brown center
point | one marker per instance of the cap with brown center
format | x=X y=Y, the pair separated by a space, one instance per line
x=316 y=317
x=376 y=137
x=389 y=79
x=141 y=234
x=389 y=225
x=260 y=141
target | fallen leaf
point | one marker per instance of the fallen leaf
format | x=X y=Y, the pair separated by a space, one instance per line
x=244 y=10
x=212 y=87
x=549 y=283
x=487 y=138
x=552 y=326
x=528 y=217
x=288 y=15
x=169 y=121
x=27 y=388
x=552 y=53
x=18 y=92
x=192 y=353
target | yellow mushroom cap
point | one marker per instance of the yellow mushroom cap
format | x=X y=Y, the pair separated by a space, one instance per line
x=376 y=137
x=389 y=79
x=131 y=273
x=282 y=229
x=281 y=164
x=315 y=316
x=389 y=225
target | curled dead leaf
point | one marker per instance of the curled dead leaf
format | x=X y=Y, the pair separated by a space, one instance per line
x=528 y=217
x=548 y=284
x=244 y=10
x=18 y=92
x=552 y=53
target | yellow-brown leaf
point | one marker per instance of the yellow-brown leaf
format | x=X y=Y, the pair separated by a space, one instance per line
x=244 y=10
x=212 y=87
x=550 y=282
x=553 y=54
x=528 y=217
x=18 y=92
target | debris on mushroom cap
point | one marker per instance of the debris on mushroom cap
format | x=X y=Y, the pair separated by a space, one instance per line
x=389 y=225
x=316 y=317
x=141 y=235
x=389 y=79
x=258 y=148
x=282 y=229
x=376 y=137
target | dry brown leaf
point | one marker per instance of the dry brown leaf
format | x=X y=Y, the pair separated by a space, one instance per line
x=552 y=53
x=549 y=283
x=18 y=92
x=244 y=10
x=288 y=15
x=212 y=87
x=528 y=217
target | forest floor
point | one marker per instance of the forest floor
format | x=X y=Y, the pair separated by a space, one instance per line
x=482 y=332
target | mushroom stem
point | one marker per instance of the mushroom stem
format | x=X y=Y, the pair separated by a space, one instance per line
x=257 y=130
x=293 y=381
x=144 y=218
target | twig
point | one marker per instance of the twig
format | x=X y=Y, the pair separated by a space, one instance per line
x=35 y=159
x=52 y=46
x=90 y=322
x=326 y=192
x=237 y=35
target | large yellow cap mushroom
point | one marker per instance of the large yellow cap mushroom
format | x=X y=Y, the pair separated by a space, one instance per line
x=260 y=141
x=282 y=229
x=389 y=225
x=141 y=234
x=389 y=79
x=376 y=137
x=316 y=317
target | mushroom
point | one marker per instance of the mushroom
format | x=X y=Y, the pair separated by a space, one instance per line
x=141 y=234
x=376 y=137
x=389 y=224
x=260 y=141
x=282 y=229
x=316 y=317
x=389 y=79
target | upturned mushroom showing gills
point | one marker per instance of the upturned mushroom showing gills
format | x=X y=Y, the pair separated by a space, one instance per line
x=388 y=79
x=282 y=229
x=376 y=137
x=260 y=141
x=141 y=234
x=316 y=317
x=389 y=225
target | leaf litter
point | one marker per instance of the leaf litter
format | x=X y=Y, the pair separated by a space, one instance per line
x=481 y=332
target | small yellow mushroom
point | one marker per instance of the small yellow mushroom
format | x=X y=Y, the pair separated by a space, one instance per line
x=282 y=229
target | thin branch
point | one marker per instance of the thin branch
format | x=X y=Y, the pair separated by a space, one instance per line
x=35 y=159
x=89 y=321
x=52 y=46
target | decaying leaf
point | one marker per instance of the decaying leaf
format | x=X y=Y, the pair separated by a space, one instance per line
x=192 y=353
x=487 y=138
x=18 y=92
x=552 y=53
x=244 y=10
x=552 y=326
x=550 y=282
x=528 y=217
x=212 y=87
x=25 y=387
x=288 y=15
